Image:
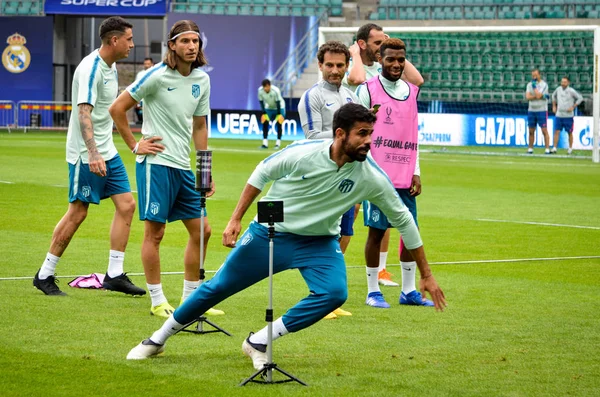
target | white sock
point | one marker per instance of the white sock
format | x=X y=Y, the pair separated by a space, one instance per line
x=115 y=263
x=278 y=143
x=49 y=266
x=156 y=294
x=382 y=260
x=265 y=142
x=188 y=288
x=408 y=276
x=278 y=331
x=372 y=283
x=168 y=329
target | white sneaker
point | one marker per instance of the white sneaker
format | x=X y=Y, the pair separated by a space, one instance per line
x=255 y=352
x=547 y=151
x=553 y=150
x=529 y=151
x=570 y=151
x=145 y=349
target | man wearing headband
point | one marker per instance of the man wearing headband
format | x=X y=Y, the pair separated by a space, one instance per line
x=96 y=171
x=176 y=102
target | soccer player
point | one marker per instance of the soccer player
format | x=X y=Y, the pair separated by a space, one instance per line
x=148 y=63
x=537 y=95
x=317 y=177
x=395 y=150
x=364 y=65
x=564 y=101
x=317 y=107
x=176 y=97
x=273 y=108
x=96 y=171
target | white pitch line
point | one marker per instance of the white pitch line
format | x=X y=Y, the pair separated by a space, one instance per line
x=7 y=182
x=559 y=258
x=539 y=224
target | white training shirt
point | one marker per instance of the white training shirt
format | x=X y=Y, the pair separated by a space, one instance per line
x=316 y=192
x=170 y=103
x=94 y=83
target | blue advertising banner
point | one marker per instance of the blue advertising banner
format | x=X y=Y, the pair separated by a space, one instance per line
x=434 y=129
x=138 y=8
x=242 y=51
x=26 y=70
x=241 y=124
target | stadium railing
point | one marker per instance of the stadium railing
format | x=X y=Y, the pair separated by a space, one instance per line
x=7 y=114
x=42 y=115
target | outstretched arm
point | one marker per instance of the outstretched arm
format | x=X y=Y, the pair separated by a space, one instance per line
x=234 y=226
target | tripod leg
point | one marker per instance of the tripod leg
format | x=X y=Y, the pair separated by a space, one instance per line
x=251 y=378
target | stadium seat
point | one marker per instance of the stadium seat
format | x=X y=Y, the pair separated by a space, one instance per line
x=373 y=16
x=336 y=11
x=244 y=10
x=271 y=11
x=231 y=10
x=179 y=7
x=257 y=10
x=310 y=11
x=297 y=11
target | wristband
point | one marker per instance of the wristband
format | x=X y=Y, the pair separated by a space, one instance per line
x=135 y=148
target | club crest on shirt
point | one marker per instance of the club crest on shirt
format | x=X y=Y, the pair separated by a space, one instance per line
x=85 y=191
x=346 y=185
x=195 y=90
x=349 y=100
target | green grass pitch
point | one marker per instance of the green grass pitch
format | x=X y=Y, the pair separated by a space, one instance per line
x=523 y=328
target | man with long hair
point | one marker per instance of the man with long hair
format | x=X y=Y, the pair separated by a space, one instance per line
x=176 y=97
x=321 y=176
x=96 y=171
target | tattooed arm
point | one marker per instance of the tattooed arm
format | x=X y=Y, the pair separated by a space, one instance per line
x=95 y=160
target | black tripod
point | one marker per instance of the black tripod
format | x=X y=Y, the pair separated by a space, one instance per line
x=203 y=185
x=273 y=212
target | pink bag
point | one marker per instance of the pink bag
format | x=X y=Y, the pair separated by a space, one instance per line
x=93 y=281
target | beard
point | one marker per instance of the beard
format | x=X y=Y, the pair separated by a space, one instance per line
x=355 y=153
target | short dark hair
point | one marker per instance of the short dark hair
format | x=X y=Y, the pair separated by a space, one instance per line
x=149 y=59
x=349 y=114
x=113 y=26
x=365 y=30
x=393 y=44
x=536 y=70
x=266 y=82
x=566 y=77
x=335 y=47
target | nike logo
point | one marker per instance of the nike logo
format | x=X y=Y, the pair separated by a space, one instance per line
x=338 y=251
x=329 y=104
x=171 y=88
x=304 y=177
x=106 y=81
x=408 y=270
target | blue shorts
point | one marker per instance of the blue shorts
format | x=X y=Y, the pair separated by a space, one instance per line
x=565 y=123
x=272 y=113
x=166 y=193
x=537 y=118
x=347 y=224
x=87 y=187
x=375 y=218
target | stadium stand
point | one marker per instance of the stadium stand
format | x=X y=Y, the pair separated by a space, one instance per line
x=485 y=9
x=21 y=8
x=495 y=67
x=261 y=7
